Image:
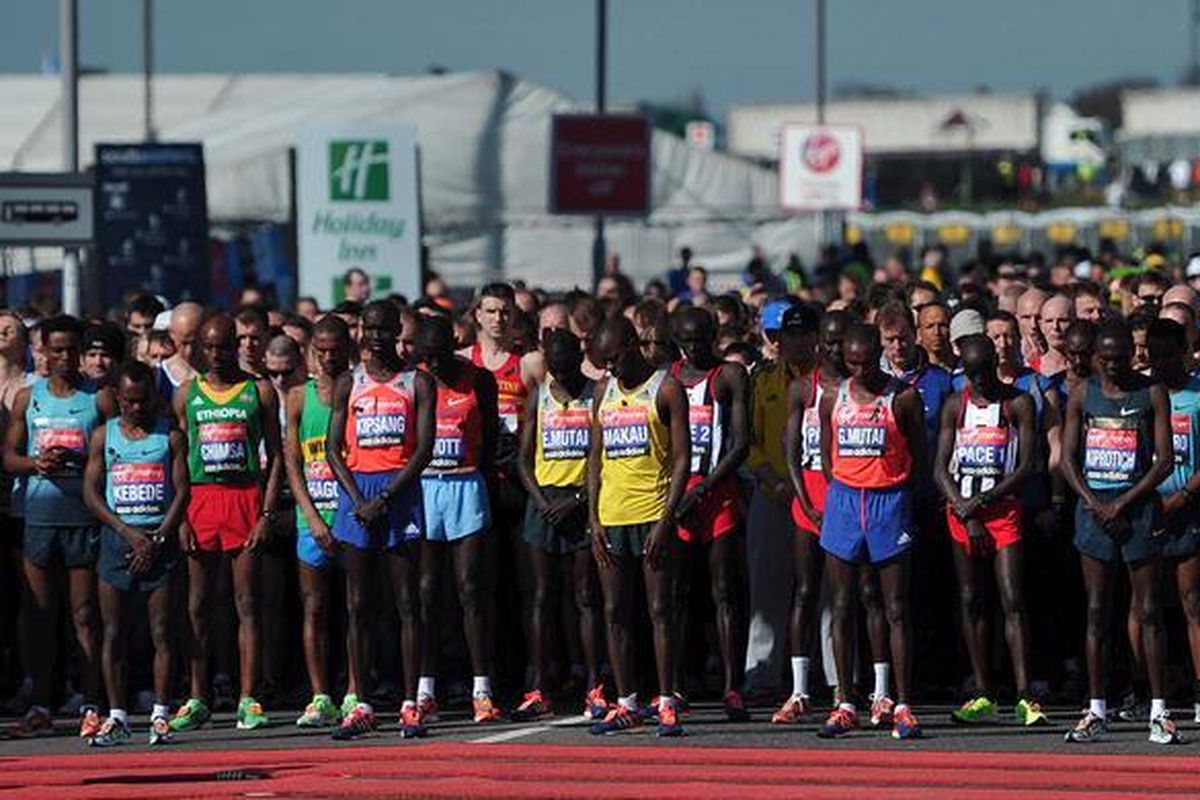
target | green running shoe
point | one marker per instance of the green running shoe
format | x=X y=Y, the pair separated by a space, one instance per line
x=321 y=713
x=1029 y=713
x=191 y=715
x=349 y=703
x=250 y=715
x=974 y=711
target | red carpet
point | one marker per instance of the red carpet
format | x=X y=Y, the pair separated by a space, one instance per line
x=556 y=771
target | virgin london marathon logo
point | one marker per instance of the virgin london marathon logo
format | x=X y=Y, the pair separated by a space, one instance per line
x=358 y=170
x=821 y=152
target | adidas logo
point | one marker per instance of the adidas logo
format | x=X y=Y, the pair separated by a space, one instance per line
x=197 y=401
x=904 y=538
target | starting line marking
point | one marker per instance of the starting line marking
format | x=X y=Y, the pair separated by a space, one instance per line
x=520 y=733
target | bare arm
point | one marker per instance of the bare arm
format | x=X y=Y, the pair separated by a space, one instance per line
x=826 y=412
x=1164 y=457
x=525 y=463
x=910 y=418
x=293 y=459
x=336 y=438
x=945 y=448
x=93 y=486
x=425 y=392
x=16 y=439
x=181 y=479
x=673 y=410
x=269 y=412
x=486 y=392
x=731 y=391
x=1069 y=467
x=596 y=442
x=793 y=445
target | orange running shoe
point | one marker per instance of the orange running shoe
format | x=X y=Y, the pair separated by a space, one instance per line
x=791 y=712
x=411 y=725
x=533 y=708
x=734 y=707
x=905 y=724
x=89 y=722
x=841 y=723
x=882 y=709
x=427 y=705
x=618 y=719
x=668 y=718
x=485 y=709
x=35 y=723
x=595 y=706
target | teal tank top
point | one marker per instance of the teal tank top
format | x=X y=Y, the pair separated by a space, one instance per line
x=138 y=485
x=65 y=422
x=1116 y=441
x=1185 y=424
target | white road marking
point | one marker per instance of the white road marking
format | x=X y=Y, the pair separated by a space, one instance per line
x=508 y=736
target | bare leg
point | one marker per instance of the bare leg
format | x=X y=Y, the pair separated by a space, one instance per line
x=43 y=596
x=360 y=568
x=841 y=576
x=543 y=611
x=432 y=557
x=314 y=595
x=405 y=564
x=590 y=613
x=1098 y=584
x=470 y=561
x=1147 y=576
x=806 y=595
x=86 y=618
x=616 y=581
x=660 y=596
x=725 y=556
x=1187 y=579
x=974 y=617
x=113 y=604
x=202 y=577
x=894 y=579
x=245 y=598
x=1010 y=577
x=159 y=608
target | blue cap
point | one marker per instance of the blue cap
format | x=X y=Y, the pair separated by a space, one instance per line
x=772 y=314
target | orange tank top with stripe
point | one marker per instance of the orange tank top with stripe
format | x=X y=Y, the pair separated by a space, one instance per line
x=379 y=422
x=511 y=391
x=868 y=449
x=459 y=425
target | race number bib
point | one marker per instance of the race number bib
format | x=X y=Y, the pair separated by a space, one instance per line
x=626 y=432
x=138 y=489
x=700 y=419
x=322 y=485
x=1181 y=438
x=861 y=433
x=566 y=434
x=981 y=451
x=382 y=423
x=448 y=446
x=222 y=446
x=810 y=430
x=1110 y=454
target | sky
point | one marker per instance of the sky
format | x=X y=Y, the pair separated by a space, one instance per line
x=659 y=50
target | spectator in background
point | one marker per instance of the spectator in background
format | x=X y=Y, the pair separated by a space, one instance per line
x=1148 y=290
x=1007 y=301
x=677 y=277
x=356 y=286
x=922 y=293
x=299 y=329
x=14 y=343
x=1089 y=301
x=758 y=273
x=795 y=280
x=1139 y=325
x=655 y=290
x=612 y=269
x=350 y=313
x=1029 y=309
x=186 y=362
x=696 y=291
x=1056 y=314
x=308 y=308
x=159 y=347
x=253 y=295
x=103 y=349
x=143 y=308
x=252 y=337
x=933 y=334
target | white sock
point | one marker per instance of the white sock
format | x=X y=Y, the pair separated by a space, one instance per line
x=848 y=707
x=425 y=687
x=883 y=673
x=799 y=676
x=900 y=707
x=161 y=711
x=483 y=686
x=407 y=704
x=1158 y=708
x=120 y=716
x=1098 y=707
x=628 y=703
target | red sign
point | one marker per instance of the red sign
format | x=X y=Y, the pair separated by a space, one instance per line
x=600 y=164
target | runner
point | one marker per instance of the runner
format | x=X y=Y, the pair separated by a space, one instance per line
x=1116 y=449
x=315 y=491
x=46 y=443
x=136 y=483
x=984 y=456
x=381 y=435
x=1169 y=354
x=553 y=468
x=873 y=452
x=710 y=514
x=233 y=463
x=638 y=467
x=803 y=446
x=187 y=362
x=457 y=513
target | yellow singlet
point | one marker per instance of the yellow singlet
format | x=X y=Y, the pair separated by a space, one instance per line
x=635 y=454
x=564 y=431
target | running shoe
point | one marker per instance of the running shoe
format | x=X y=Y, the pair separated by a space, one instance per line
x=359 y=722
x=974 y=711
x=1132 y=709
x=595 y=706
x=668 y=718
x=320 y=713
x=649 y=712
x=349 y=703
x=35 y=723
x=882 y=709
x=905 y=725
x=160 y=732
x=791 y=712
x=1090 y=729
x=682 y=707
x=111 y=734
x=735 y=709
x=485 y=710
x=1163 y=731
x=427 y=705
x=840 y=723
x=411 y=726
x=1029 y=713
x=1196 y=712
x=532 y=709
x=190 y=715
x=89 y=722
x=250 y=714
x=618 y=719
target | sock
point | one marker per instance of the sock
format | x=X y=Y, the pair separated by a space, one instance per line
x=425 y=687
x=1158 y=708
x=883 y=672
x=848 y=707
x=407 y=704
x=120 y=716
x=628 y=703
x=161 y=711
x=1098 y=707
x=900 y=707
x=799 y=676
x=483 y=686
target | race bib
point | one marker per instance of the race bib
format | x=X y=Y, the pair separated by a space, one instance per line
x=626 y=432
x=383 y=423
x=1110 y=454
x=322 y=485
x=810 y=430
x=861 y=433
x=138 y=489
x=448 y=447
x=566 y=434
x=1181 y=438
x=981 y=451
x=700 y=418
x=509 y=422
x=222 y=446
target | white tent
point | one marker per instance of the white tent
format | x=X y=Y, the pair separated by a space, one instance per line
x=484 y=140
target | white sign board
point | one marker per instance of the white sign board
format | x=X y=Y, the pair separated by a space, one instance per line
x=821 y=168
x=357 y=206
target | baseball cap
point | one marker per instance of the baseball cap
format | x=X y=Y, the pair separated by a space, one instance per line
x=163 y=321
x=1193 y=268
x=966 y=323
x=104 y=336
x=772 y=314
x=799 y=317
x=1083 y=270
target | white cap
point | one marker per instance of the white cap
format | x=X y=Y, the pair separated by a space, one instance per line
x=966 y=323
x=163 y=321
x=1083 y=270
x=1193 y=268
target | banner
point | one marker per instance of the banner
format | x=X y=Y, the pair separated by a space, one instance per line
x=821 y=168
x=357 y=206
x=152 y=221
x=600 y=164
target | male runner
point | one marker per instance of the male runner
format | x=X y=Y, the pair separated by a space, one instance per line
x=232 y=424
x=638 y=467
x=1116 y=449
x=984 y=455
x=136 y=483
x=381 y=434
x=803 y=445
x=315 y=491
x=457 y=512
x=46 y=443
x=710 y=514
x=553 y=467
x=873 y=452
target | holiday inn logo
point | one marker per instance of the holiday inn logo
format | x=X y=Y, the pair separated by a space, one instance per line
x=358 y=170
